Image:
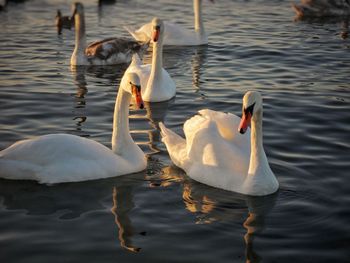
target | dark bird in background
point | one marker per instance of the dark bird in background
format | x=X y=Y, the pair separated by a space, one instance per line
x=66 y=22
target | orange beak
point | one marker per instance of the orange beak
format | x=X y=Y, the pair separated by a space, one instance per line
x=136 y=92
x=245 y=121
x=155 y=35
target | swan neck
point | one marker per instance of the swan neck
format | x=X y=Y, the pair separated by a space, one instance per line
x=157 y=63
x=198 y=22
x=257 y=154
x=157 y=57
x=80 y=38
x=121 y=135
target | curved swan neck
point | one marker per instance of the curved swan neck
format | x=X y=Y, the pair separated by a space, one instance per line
x=121 y=135
x=198 y=22
x=80 y=39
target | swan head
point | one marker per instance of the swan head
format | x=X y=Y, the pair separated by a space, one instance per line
x=157 y=29
x=134 y=88
x=78 y=8
x=252 y=103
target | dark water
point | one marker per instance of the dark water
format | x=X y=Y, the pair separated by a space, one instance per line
x=160 y=215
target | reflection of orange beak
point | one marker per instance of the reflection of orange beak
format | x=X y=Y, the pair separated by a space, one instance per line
x=155 y=35
x=136 y=92
x=245 y=121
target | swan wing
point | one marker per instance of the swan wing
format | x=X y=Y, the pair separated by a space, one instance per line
x=142 y=34
x=115 y=49
x=174 y=34
x=227 y=124
x=206 y=145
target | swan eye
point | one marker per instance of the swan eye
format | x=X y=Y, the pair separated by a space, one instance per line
x=250 y=109
x=156 y=27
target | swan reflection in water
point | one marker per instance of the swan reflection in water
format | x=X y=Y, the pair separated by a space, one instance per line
x=79 y=74
x=74 y=201
x=122 y=206
x=211 y=205
x=198 y=60
x=80 y=101
x=155 y=113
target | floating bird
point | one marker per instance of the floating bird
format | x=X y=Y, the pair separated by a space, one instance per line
x=58 y=158
x=66 y=22
x=175 y=34
x=156 y=83
x=215 y=153
x=109 y=51
x=321 y=8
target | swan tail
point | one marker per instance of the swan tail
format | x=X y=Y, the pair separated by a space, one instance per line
x=176 y=146
x=137 y=35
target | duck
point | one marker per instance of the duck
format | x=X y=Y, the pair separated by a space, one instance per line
x=61 y=22
x=221 y=151
x=321 y=8
x=110 y=51
x=156 y=83
x=177 y=35
x=62 y=158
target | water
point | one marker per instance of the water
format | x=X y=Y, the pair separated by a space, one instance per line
x=161 y=215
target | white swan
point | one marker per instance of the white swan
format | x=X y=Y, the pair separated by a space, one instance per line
x=109 y=51
x=214 y=153
x=321 y=8
x=57 y=158
x=175 y=34
x=156 y=83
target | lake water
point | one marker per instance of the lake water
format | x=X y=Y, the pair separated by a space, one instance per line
x=161 y=215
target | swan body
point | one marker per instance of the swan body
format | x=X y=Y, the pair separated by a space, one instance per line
x=58 y=158
x=174 y=34
x=109 y=51
x=156 y=83
x=321 y=8
x=215 y=153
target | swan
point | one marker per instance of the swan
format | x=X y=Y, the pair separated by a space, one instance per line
x=214 y=153
x=109 y=51
x=156 y=83
x=58 y=158
x=321 y=8
x=176 y=35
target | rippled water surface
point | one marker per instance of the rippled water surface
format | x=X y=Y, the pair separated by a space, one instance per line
x=161 y=215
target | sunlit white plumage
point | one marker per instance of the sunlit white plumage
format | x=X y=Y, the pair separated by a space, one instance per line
x=175 y=34
x=109 y=51
x=57 y=158
x=216 y=154
x=156 y=83
x=321 y=8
